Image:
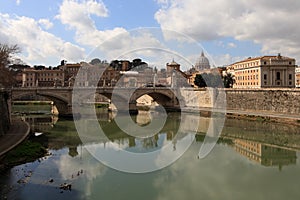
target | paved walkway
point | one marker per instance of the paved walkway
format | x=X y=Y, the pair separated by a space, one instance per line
x=18 y=131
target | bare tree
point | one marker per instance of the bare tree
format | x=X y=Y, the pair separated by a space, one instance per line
x=6 y=52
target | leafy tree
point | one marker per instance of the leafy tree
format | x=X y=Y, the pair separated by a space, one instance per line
x=39 y=67
x=95 y=61
x=208 y=80
x=63 y=62
x=199 y=81
x=6 y=51
x=228 y=80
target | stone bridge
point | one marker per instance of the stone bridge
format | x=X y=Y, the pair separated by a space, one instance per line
x=122 y=98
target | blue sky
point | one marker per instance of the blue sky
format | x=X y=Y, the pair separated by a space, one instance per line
x=51 y=30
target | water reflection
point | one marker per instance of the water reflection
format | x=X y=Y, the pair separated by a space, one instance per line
x=249 y=138
x=241 y=166
x=41 y=123
x=265 y=154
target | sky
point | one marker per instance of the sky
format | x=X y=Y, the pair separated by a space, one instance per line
x=157 y=31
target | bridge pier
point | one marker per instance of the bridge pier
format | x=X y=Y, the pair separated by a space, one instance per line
x=124 y=107
x=133 y=108
x=65 y=110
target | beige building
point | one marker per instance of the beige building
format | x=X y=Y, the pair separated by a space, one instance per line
x=42 y=78
x=264 y=72
x=174 y=76
x=297 y=76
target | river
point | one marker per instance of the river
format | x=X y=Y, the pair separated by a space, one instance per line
x=253 y=159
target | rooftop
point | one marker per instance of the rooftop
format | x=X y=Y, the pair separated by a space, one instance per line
x=278 y=57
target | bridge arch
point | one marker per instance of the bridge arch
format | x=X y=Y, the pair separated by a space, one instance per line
x=165 y=97
x=62 y=104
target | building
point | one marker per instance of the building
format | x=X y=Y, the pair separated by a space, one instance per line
x=214 y=71
x=264 y=72
x=42 y=78
x=70 y=71
x=297 y=76
x=101 y=75
x=202 y=63
x=174 y=76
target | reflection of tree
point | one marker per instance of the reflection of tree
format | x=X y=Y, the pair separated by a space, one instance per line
x=132 y=142
x=150 y=142
x=73 y=151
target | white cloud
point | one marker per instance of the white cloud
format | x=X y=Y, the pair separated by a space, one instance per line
x=231 y=45
x=108 y=44
x=269 y=23
x=37 y=45
x=45 y=23
x=76 y=14
x=18 y=2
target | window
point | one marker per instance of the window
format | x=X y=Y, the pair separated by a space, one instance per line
x=265 y=76
x=265 y=63
x=277 y=75
x=290 y=76
x=290 y=83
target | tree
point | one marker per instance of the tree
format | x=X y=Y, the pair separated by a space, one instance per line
x=199 y=81
x=208 y=80
x=228 y=80
x=6 y=51
x=95 y=61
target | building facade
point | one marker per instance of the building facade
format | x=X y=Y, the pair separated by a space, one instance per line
x=202 y=63
x=174 y=76
x=264 y=72
x=297 y=77
x=42 y=78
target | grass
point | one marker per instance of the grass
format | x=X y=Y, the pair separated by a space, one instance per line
x=27 y=151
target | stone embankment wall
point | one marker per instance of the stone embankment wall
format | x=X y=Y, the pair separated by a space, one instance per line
x=4 y=112
x=270 y=100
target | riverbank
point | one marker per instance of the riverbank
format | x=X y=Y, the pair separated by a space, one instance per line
x=249 y=115
x=17 y=133
x=15 y=148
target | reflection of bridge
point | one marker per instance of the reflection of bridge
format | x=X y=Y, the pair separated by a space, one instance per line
x=123 y=98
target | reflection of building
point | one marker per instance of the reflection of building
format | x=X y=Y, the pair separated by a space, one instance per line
x=264 y=154
x=264 y=72
x=42 y=124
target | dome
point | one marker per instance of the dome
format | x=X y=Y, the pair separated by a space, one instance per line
x=173 y=63
x=202 y=63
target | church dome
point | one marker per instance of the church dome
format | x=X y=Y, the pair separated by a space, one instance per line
x=202 y=63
